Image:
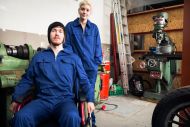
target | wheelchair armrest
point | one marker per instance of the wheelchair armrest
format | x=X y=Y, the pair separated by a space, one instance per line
x=82 y=107
x=25 y=101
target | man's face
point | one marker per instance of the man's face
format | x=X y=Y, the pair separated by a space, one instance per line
x=84 y=11
x=57 y=35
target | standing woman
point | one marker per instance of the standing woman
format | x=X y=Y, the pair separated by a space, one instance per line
x=84 y=38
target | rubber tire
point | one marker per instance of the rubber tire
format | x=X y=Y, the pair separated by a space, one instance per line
x=132 y=89
x=169 y=104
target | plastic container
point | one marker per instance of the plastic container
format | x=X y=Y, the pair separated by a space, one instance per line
x=104 y=89
x=116 y=90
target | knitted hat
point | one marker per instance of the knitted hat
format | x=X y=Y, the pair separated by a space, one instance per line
x=51 y=26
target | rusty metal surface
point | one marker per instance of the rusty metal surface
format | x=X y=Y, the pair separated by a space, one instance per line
x=186 y=46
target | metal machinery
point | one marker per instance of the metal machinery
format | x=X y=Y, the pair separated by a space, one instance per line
x=13 y=62
x=160 y=61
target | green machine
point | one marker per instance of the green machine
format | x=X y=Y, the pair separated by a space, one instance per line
x=13 y=59
x=13 y=62
x=160 y=61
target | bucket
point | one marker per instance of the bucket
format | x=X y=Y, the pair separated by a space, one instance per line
x=104 y=89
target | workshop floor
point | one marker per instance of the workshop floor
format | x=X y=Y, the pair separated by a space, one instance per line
x=125 y=111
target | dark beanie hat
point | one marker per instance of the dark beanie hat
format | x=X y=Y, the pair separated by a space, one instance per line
x=51 y=26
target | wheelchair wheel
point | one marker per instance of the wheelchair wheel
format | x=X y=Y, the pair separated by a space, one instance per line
x=173 y=110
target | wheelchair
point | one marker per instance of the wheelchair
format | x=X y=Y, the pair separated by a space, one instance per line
x=51 y=122
x=81 y=103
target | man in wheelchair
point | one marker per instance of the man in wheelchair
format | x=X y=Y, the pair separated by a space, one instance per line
x=57 y=75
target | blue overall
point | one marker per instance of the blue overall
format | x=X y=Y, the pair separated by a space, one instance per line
x=87 y=45
x=54 y=80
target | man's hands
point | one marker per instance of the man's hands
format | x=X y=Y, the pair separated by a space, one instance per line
x=91 y=107
x=13 y=107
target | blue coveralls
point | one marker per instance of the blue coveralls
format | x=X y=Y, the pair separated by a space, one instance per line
x=87 y=45
x=54 y=80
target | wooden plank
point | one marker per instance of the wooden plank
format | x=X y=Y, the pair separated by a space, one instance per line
x=144 y=23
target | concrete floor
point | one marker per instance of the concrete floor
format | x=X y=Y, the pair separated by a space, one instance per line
x=125 y=111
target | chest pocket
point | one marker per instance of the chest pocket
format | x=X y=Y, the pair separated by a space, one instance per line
x=44 y=66
x=77 y=34
x=67 y=70
x=84 y=42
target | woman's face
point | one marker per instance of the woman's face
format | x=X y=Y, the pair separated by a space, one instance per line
x=84 y=11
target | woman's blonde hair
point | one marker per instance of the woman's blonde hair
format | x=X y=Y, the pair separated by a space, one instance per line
x=85 y=2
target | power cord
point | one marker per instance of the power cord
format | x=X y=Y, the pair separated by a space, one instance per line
x=103 y=107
